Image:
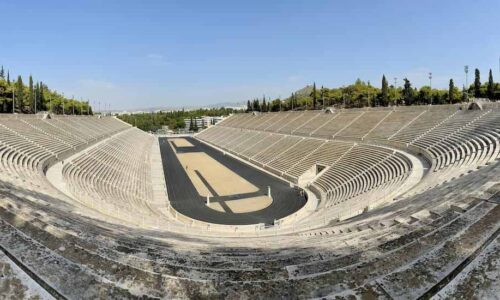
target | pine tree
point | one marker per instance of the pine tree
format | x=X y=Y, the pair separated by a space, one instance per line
x=8 y=77
x=2 y=73
x=264 y=105
x=477 y=84
x=249 y=107
x=385 y=91
x=451 y=89
x=314 y=96
x=491 y=86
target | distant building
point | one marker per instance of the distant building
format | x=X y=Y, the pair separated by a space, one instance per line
x=202 y=122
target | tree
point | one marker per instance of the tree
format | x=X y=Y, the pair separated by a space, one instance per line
x=451 y=91
x=2 y=73
x=195 y=125
x=249 y=107
x=314 y=96
x=256 y=105
x=191 y=127
x=491 y=86
x=322 y=96
x=19 y=93
x=31 y=94
x=408 y=92
x=264 y=105
x=385 y=92
x=8 y=77
x=41 y=97
x=477 y=84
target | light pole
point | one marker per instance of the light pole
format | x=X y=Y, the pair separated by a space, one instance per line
x=430 y=84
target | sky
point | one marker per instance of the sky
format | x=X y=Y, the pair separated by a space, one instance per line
x=139 y=54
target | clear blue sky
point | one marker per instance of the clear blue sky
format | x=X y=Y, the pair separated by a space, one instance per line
x=180 y=53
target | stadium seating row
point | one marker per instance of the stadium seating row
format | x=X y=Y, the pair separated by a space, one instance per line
x=406 y=249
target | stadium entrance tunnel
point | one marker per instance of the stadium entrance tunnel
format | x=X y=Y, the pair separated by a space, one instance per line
x=206 y=185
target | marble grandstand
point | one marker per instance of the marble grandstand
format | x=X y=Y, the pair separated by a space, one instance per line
x=403 y=203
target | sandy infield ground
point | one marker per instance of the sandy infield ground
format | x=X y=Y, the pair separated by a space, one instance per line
x=181 y=143
x=240 y=206
x=207 y=173
x=223 y=181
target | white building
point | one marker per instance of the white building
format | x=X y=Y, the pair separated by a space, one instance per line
x=203 y=122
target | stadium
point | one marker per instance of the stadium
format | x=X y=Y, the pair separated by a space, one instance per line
x=249 y=150
x=396 y=202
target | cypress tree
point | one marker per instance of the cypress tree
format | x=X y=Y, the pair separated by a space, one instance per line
x=477 y=84
x=407 y=92
x=264 y=105
x=41 y=98
x=19 y=97
x=8 y=77
x=491 y=86
x=256 y=105
x=249 y=107
x=2 y=73
x=385 y=91
x=314 y=96
x=31 y=95
x=322 y=96
x=451 y=90
x=191 y=124
x=195 y=125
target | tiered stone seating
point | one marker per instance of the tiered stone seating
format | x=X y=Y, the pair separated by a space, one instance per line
x=439 y=242
x=295 y=153
x=363 y=125
x=393 y=123
x=113 y=173
x=360 y=170
x=326 y=154
x=422 y=124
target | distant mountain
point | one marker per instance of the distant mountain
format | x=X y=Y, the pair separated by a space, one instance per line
x=305 y=91
x=235 y=105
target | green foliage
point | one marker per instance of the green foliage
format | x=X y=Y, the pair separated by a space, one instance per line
x=173 y=119
x=314 y=96
x=477 y=83
x=451 y=92
x=38 y=95
x=384 y=98
x=491 y=86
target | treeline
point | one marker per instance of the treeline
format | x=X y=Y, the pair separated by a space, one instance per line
x=18 y=97
x=173 y=119
x=363 y=94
